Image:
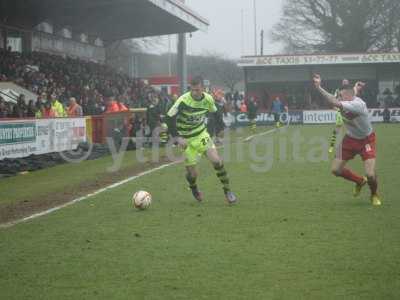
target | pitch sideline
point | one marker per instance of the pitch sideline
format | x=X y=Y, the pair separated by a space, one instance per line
x=110 y=187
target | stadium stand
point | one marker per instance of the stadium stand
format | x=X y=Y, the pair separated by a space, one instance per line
x=53 y=53
x=90 y=83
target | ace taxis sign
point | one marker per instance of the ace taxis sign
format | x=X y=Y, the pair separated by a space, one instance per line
x=328 y=59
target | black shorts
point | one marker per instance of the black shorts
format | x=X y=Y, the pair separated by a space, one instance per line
x=219 y=126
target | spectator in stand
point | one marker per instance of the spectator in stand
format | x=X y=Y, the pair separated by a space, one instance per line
x=386 y=115
x=243 y=107
x=3 y=108
x=236 y=96
x=69 y=77
x=217 y=125
x=39 y=109
x=389 y=99
x=397 y=92
x=252 y=113
x=153 y=112
x=57 y=107
x=19 y=110
x=228 y=97
x=74 y=109
x=48 y=111
x=228 y=106
x=238 y=104
x=95 y=107
x=9 y=109
x=165 y=104
x=122 y=107
x=277 y=108
x=112 y=105
x=42 y=98
x=31 y=109
x=397 y=101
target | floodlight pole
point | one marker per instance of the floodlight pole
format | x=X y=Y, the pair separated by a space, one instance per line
x=255 y=27
x=182 y=62
x=262 y=43
x=169 y=57
x=242 y=29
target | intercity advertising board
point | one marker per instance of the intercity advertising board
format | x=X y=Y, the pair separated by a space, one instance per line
x=23 y=138
x=329 y=116
x=319 y=116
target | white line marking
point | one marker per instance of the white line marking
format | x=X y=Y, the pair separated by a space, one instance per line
x=259 y=134
x=110 y=187
x=265 y=133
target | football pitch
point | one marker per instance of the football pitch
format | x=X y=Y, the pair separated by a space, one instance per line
x=296 y=233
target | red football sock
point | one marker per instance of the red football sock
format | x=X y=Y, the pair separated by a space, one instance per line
x=373 y=185
x=351 y=176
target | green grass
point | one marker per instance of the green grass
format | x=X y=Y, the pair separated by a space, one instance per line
x=65 y=177
x=296 y=234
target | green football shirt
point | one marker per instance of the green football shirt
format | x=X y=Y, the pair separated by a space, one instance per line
x=191 y=114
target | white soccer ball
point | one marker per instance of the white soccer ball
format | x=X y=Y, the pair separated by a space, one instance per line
x=141 y=200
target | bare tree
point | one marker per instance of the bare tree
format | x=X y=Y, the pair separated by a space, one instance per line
x=119 y=53
x=215 y=67
x=338 y=25
x=130 y=46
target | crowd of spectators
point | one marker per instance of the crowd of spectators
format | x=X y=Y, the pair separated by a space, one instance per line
x=70 y=87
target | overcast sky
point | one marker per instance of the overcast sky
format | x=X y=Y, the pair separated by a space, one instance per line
x=225 y=32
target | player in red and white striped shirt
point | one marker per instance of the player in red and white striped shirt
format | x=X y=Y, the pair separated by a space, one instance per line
x=360 y=138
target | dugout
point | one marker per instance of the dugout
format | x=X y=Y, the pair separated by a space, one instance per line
x=289 y=77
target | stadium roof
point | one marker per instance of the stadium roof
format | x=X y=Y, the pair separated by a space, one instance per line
x=110 y=20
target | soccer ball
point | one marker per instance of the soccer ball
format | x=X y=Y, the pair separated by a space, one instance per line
x=141 y=200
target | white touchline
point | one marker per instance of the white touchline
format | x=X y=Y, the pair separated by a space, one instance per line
x=264 y=133
x=259 y=134
x=110 y=187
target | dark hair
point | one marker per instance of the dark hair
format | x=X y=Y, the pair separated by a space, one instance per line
x=347 y=87
x=197 y=80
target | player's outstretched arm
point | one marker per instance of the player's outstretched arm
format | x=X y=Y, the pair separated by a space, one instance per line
x=358 y=87
x=328 y=96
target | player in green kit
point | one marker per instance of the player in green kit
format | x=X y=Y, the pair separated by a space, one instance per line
x=339 y=120
x=336 y=131
x=186 y=123
x=252 y=108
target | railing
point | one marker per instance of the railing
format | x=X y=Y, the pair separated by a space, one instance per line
x=54 y=44
x=45 y=42
x=14 y=99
